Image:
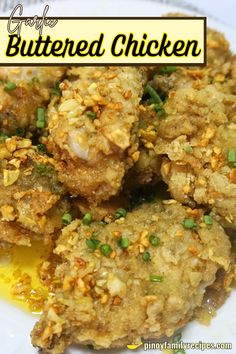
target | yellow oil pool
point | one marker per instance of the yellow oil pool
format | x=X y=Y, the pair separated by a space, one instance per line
x=19 y=279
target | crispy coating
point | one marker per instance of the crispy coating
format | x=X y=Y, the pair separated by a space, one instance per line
x=189 y=145
x=31 y=203
x=196 y=137
x=92 y=129
x=146 y=169
x=110 y=301
x=33 y=89
x=220 y=70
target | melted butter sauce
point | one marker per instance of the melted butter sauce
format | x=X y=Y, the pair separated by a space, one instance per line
x=19 y=277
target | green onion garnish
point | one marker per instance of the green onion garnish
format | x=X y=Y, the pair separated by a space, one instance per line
x=3 y=135
x=19 y=132
x=156 y=278
x=10 y=86
x=159 y=110
x=146 y=256
x=231 y=156
x=120 y=213
x=154 y=240
x=190 y=224
x=179 y=351
x=167 y=70
x=188 y=149
x=106 y=250
x=92 y=243
x=42 y=148
x=66 y=218
x=94 y=234
x=208 y=219
x=123 y=242
x=90 y=114
x=90 y=346
x=56 y=89
x=40 y=123
x=102 y=222
x=177 y=338
x=87 y=219
x=152 y=92
x=35 y=80
x=42 y=169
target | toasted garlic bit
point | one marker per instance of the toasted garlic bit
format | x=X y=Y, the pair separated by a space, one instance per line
x=115 y=286
x=8 y=213
x=10 y=177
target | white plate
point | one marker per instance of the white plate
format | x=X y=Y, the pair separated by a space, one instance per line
x=15 y=325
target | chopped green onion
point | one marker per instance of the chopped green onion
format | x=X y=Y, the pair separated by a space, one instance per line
x=94 y=234
x=42 y=169
x=35 y=80
x=179 y=351
x=167 y=70
x=152 y=92
x=159 y=110
x=190 y=224
x=188 y=149
x=90 y=114
x=120 y=213
x=177 y=338
x=123 y=242
x=156 y=278
x=92 y=243
x=19 y=132
x=90 y=346
x=87 y=219
x=56 y=89
x=42 y=148
x=40 y=123
x=3 y=135
x=10 y=86
x=102 y=222
x=66 y=218
x=231 y=156
x=146 y=256
x=154 y=240
x=106 y=250
x=208 y=219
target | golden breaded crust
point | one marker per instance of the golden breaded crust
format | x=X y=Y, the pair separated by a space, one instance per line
x=33 y=89
x=220 y=69
x=111 y=301
x=196 y=136
x=92 y=129
x=31 y=197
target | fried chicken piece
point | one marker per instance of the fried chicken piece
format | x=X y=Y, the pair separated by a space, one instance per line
x=198 y=138
x=19 y=103
x=93 y=129
x=219 y=70
x=121 y=282
x=32 y=202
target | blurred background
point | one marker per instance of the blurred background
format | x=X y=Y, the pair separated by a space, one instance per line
x=221 y=10
x=224 y=10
